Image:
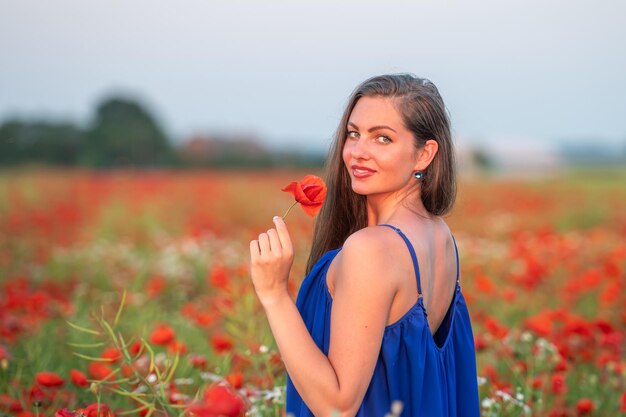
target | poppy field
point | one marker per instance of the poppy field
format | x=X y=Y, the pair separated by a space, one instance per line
x=127 y=292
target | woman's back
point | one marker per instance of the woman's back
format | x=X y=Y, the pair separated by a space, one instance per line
x=432 y=373
x=437 y=269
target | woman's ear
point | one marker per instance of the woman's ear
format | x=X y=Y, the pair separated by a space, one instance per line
x=426 y=154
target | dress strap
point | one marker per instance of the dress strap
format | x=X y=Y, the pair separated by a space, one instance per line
x=458 y=265
x=413 y=257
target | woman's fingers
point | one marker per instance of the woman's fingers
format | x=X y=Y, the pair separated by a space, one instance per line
x=283 y=235
x=274 y=241
x=264 y=243
x=275 y=245
x=255 y=251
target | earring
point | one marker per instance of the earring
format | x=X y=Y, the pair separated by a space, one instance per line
x=418 y=175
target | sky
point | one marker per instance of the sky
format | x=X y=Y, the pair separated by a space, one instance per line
x=510 y=72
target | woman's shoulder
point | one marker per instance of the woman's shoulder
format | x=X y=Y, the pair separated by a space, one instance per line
x=365 y=259
x=372 y=248
x=369 y=239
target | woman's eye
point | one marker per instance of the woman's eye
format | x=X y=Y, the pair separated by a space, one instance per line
x=385 y=139
x=353 y=134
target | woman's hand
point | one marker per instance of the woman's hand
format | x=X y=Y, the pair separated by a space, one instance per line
x=271 y=258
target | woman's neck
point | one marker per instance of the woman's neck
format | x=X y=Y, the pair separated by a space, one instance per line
x=386 y=208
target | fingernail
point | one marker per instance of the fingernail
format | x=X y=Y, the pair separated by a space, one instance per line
x=275 y=218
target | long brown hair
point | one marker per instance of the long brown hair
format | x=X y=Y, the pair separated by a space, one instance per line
x=423 y=112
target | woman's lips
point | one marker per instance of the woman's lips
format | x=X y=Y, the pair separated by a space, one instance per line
x=362 y=172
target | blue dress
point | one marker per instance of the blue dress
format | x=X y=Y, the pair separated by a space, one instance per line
x=433 y=375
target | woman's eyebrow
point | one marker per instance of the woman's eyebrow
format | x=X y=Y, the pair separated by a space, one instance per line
x=373 y=128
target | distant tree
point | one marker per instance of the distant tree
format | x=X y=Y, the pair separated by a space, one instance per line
x=39 y=142
x=123 y=133
x=482 y=159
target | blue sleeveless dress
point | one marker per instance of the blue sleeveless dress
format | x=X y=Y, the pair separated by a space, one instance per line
x=432 y=375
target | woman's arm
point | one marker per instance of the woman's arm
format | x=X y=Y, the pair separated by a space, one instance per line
x=364 y=290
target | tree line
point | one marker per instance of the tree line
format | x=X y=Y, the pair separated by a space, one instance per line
x=123 y=133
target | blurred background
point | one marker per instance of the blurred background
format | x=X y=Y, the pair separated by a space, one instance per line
x=529 y=85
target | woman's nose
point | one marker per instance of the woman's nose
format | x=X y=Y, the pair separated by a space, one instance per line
x=359 y=150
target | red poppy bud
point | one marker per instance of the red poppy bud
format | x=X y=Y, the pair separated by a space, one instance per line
x=585 y=405
x=97 y=410
x=235 y=379
x=49 y=379
x=221 y=343
x=310 y=192
x=78 y=378
x=218 y=400
x=99 y=370
x=162 y=335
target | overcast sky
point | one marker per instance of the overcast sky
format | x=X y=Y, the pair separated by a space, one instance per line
x=508 y=71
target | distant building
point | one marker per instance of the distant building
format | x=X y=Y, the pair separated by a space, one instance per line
x=594 y=152
x=222 y=149
x=507 y=154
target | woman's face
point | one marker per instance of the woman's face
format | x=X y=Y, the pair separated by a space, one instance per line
x=379 y=152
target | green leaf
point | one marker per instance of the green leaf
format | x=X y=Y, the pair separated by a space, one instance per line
x=152 y=365
x=136 y=410
x=92 y=358
x=150 y=412
x=127 y=393
x=119 y=310
x=110 y=331
x=124 y=347
x=83 y=329
x=118 y=381
x=173 y=368
x=86 y=345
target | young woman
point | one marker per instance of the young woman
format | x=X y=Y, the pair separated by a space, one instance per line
x=371 y=324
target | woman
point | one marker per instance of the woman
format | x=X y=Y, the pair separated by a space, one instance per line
x=390 y=176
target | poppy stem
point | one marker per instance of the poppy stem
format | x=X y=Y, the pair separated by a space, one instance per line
x=288 y=210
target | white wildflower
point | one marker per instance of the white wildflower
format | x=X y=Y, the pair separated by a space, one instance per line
x=209 y=376
x=396 y=407
x=487 y=402
x=184 y=381
x=526 y=336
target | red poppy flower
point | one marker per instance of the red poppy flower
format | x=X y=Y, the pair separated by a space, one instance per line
x=177 y=347
x=495 y=328
x=558 y=384
x=112 y=354
x=127 y=370
x=221 y=343
x=219 y=400
x=10 y=404
x=162 y=335
x=484 y=284
x=65 y=413
x=136 y=348
x=4 y=353
x=155 y=285
x=310 y=192
x=96 y=410
x=49 y=379
x=585 y=405
x=197 y=361
x=78 y=378
x=219 y=277
x=235 y=379
x=99 y=370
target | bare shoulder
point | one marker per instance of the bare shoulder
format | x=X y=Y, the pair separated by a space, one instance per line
x=372 y=239
x=368 y=255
